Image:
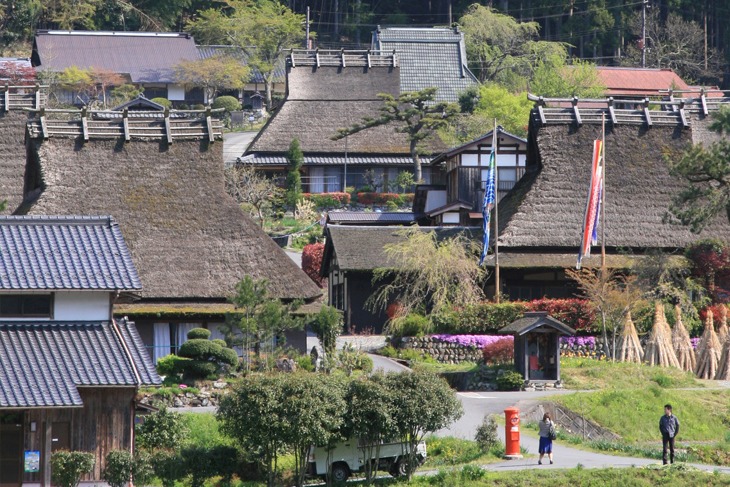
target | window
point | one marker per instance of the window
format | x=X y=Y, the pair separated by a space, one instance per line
x=26 y=306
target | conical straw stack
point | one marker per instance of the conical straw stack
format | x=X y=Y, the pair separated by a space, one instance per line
x=682 y=344
x=659 y=350
x=722 y=330
x=630 y=349
x=708 y=351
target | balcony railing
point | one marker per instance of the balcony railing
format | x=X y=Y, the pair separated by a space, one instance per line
x=322 y=184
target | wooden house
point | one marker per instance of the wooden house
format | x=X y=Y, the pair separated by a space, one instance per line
x=189 y=239
x=429 y=57
x=351 y=255
x=540 y=218
x=326 y=91
x=69 y=372
x=464 y=171
x=146 y=59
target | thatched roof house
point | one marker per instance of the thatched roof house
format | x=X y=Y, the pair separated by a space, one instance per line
x=540 y=219
x=190 y=241
x=326 y=91
x=12 y=158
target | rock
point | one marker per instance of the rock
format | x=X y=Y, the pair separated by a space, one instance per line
x=177 y=403
x=189 y=395
x=205 y=402
x=286 y=365
x=219 y=384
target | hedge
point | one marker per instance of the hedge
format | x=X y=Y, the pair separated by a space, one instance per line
x=486 y=318
x=383 y=198
x=328 y=200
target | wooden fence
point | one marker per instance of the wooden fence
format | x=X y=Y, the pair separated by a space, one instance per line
x=669 y=110
x=104 y=124
x=342 y=58
x=22 y=97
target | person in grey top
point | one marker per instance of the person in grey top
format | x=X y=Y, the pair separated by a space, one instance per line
x=669 y=427
x=547 y=428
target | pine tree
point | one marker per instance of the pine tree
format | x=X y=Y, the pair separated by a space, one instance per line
x=294 y=178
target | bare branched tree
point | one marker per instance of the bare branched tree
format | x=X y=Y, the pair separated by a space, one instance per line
x=249 y=187
x=429 y=273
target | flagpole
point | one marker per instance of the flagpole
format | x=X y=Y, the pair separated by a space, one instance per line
x=497 y=285
x=603 y=192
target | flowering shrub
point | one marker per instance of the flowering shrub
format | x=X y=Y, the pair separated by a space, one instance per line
x=477 y=319
x=328 y=200
x=476 y=341
x=501 y=351
x=576 y=313
x=577 y=342
x=383 y=198
x=312 y=256
x=695 y=341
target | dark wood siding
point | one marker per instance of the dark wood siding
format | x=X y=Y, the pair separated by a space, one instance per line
x=469 y=179
x=359 y=289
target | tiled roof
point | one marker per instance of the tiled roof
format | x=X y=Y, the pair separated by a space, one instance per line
x=148 y=57
x=42 y=364
x=639 y=81
x=46 y=252
x=343 y=217
x=277 y=160
x=428 y=57
x=256 y=76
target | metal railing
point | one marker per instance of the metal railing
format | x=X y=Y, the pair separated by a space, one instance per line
x=322 y=184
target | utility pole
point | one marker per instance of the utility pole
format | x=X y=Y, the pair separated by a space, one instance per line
x=705 y=19
x=643 y=33
x=451 y=19
x=306 y=40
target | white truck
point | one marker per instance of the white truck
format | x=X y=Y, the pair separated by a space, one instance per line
x=349 y=457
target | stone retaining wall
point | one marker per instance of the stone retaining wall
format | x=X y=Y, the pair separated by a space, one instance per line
x=568 y=421
x=447 y=353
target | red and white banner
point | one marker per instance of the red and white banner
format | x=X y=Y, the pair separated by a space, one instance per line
x=593 y=205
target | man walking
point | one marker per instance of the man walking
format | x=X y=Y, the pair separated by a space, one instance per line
x=669 y=427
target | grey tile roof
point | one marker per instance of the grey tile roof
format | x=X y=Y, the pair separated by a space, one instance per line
x=428 y=57
x=535 y=319
x=206 y=51
x=280 y=160
x=344 y=217
x=47 y=252
x=148 y=57
x=42 y=364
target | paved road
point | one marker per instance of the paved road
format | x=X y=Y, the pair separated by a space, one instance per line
x=384 y=364
x=235 y=144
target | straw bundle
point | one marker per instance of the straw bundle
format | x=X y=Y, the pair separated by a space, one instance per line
x=659 y=349
x=722 y=330
x=630 y=349
x=682 y=344
x=723 y=369
x=708 y=351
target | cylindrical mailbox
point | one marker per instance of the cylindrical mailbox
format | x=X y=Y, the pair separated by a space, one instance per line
x=512 y=433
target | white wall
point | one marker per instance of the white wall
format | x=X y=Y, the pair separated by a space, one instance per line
x=435 y=199
x=81 y=306
x=175 y=92
x=452 y=218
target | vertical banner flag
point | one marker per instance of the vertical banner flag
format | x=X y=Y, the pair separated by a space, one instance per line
x=489 y=199
x=593 y=206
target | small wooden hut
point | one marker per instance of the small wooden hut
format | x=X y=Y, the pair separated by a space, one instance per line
x=708 y=351
x=630 y=349
x=659 y=349
x=537 y=345
x=682 y=344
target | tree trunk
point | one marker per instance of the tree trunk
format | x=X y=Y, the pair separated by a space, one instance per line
x=416 y=162
x=605 y=333
x=269 y=89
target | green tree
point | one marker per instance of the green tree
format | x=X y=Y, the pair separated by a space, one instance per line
x=207 y=358
x=295 y=157
x=414 y=113
x=429 y=273
x=512 y=111
x=327 y=325
x=263 y=29
x=369 y=417
x=252 y=190
x=258 y=318
x=707 y=172
x=67 y=467
x=422 y=403
x=213 y=75
x=552 y=77
x=162 y=429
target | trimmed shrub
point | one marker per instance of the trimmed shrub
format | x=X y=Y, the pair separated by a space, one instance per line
x=312 y=256
x=510 y=381
x=198 y=333
x=479 y=319
x=499 y=352
x=378 y=198
x=230 y=103
x=207 y=358
x=161 y=429
x=162 y=101
x=118 y=469
x=67 y=467
x=168 y=466
x=486 y=435
x=411 y=325
x=170 y=365
x=220 y=341
x=328 y=200
x=576 y=313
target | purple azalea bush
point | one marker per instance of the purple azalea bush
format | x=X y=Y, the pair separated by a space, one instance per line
x=695 y=342
x=476 y=341
x=577 y=342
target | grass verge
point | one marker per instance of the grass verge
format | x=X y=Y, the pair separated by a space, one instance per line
x=589 y=374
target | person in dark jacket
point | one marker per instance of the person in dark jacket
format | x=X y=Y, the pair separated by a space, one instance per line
x=669 y=427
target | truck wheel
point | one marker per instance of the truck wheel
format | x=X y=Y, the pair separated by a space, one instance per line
x=340 y=472
x=399 y=468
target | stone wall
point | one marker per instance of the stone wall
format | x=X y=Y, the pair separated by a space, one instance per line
x=204 y=396
x=568 y=421
x=447 y=353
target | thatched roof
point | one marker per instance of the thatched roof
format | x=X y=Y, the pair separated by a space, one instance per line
x=187 y=237
x=362 y=248
x=12 y=157
x=546 y=207
x=321 y=100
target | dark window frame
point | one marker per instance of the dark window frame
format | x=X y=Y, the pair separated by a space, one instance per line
x=23 y=313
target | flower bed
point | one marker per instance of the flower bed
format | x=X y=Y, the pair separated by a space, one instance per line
x=479 y=341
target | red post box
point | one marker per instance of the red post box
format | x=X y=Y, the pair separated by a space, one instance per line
x=512 y=433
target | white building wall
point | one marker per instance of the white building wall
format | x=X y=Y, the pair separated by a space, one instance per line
x=175 y=93
x=81 y=306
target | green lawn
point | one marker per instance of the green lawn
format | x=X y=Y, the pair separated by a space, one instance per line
x=585 y=373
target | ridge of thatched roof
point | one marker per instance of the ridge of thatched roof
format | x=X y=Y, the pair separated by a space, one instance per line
x=12 y=158
x=546 y=207
x=321 y=100
x=187 y=237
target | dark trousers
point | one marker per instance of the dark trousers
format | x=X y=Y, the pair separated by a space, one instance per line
x=667 y=442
